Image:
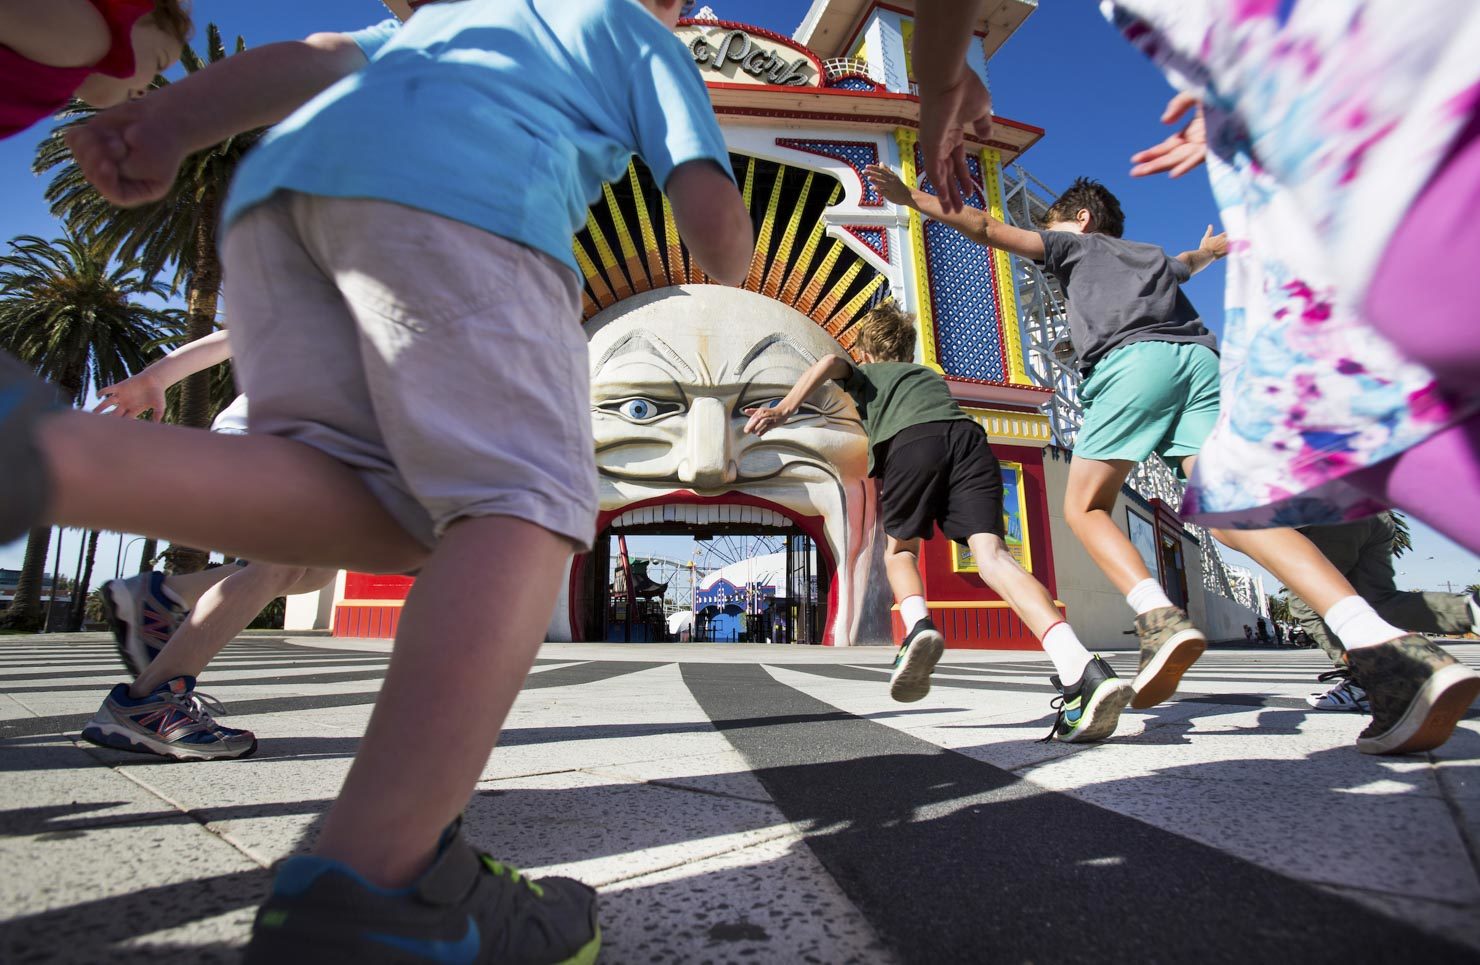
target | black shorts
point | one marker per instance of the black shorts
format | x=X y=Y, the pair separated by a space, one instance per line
x=941 y=473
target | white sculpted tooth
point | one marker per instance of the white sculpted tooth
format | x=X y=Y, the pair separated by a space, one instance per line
x=669 y=512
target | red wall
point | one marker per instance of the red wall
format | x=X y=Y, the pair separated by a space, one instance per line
x=988 y=628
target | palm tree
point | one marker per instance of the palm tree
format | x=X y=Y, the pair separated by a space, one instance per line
x=72 y=314
x=178 y=231
x=1402 y=536
x=79 y=592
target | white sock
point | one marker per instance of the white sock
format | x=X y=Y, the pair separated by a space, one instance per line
x=1067 y=653
x=1474 y=601
x=1357 y=625
x=912 y=610
x=1146 y=596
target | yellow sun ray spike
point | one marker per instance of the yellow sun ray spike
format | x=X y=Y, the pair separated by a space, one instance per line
x=798 y=273
x=603 y=295
x=677 y=270
x=650 y=252
x=829 y=303
x=814 y=287
x=772 y=286
x=763 y=241
x=620 y=285
x=846 y=316
x=630 y=259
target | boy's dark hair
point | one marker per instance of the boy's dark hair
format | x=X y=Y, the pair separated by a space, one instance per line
x=1092 y=196
x=173 y=17
x=887 y=332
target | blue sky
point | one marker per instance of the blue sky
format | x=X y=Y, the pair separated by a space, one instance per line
x=1066 y=71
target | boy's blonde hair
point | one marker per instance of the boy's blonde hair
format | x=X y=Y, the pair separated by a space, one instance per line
x=887 y=332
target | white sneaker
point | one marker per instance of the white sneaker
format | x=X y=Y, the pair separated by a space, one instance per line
x=1346 y=695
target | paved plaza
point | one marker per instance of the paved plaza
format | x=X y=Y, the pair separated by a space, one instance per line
x=772 y=804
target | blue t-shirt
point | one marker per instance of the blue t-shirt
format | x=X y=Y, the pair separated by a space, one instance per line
x=505 y=115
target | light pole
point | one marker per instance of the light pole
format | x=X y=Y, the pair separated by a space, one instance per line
x=122 y=551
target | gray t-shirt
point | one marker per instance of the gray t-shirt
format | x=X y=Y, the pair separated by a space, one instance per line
x=1121 y=292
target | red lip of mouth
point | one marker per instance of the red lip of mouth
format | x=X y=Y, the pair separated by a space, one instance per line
x=811 y=526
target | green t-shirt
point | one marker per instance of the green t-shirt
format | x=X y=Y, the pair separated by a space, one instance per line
x=892 y=396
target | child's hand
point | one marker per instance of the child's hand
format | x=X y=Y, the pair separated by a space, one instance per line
x=126 y=155
x=764 y=418
x=1182 y=151
x=132 y=397
x=1215 y=245
x=888 y=184
x=944 y=118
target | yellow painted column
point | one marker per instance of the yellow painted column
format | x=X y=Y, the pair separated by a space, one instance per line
x=1012 y=334
x=906 y=139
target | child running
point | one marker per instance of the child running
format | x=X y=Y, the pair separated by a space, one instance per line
x=102 y=52
x=168 y=628
x=404 y=307
x=936 y=468
x=1151 y=386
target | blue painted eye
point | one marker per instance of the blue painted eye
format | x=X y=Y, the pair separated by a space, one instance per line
x=637 y=409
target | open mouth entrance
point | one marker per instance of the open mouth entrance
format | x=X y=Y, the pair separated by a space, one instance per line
x=702 y=572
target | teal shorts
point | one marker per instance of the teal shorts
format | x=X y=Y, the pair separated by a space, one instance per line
x=1147 y=397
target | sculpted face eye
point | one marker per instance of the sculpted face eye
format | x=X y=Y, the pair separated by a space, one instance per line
x=640 y=410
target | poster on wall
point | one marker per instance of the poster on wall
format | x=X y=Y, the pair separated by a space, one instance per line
x=1143 y=538
x=1014 y=523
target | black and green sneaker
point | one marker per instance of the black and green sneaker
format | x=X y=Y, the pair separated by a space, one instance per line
x=909 y=681
x=1090 y=710
x=467 y=908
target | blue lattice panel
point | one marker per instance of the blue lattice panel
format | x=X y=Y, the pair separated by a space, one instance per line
x=963 y=295
x=856 y=154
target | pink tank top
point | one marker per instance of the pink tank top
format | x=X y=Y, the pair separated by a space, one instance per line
x=30 y=91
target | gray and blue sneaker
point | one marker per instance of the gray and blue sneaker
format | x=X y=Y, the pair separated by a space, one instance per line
x=142 y=617
x=1090 y=710
x=910 y=679
x=173 y=721
x=467 y=908
x=23 y=485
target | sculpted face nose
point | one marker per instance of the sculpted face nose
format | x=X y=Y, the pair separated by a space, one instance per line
x=708 y=461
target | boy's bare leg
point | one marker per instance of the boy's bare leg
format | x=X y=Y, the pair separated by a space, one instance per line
x=453 y=676
x=220 y=615
x=1028 y=598
x=902 y=567
x=1294 y=561
x=1093 y=487
x=254 y=496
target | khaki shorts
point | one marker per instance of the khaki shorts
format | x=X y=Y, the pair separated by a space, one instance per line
x=444 y=364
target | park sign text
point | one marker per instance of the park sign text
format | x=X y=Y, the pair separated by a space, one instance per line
x=743 y=56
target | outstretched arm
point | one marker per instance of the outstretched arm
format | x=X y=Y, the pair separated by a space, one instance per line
x=1212 y=248
x=971 y=222
x=144 y=392
x=131 y=153
x=765 y=418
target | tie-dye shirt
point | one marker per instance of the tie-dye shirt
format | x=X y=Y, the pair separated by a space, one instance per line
x=1325 y=120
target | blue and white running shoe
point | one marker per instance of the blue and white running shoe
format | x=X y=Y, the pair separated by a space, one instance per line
x=174 y=721
x=142 y=618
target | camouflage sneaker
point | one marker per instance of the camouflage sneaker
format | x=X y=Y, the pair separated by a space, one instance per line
x=467 y=908
x=1417 y=691
x=1090 y=710
x=910 y=679
x=23 y=485
x=1169 y=645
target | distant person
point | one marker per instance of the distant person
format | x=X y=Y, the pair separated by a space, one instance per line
x=1363 y=551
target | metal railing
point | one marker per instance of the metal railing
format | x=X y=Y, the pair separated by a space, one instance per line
x=839 y=67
